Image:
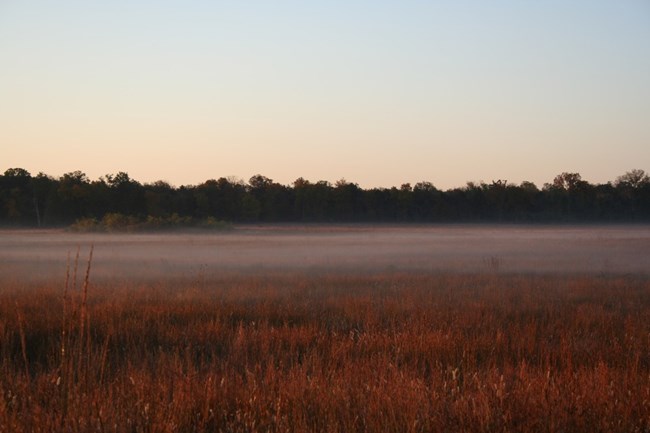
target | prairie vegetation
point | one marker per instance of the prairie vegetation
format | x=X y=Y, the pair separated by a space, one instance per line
x=327 y=352
x=115 y=222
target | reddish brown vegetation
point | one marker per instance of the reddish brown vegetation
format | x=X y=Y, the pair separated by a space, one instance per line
x=335 y=353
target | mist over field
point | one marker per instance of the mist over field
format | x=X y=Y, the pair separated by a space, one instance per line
x=42 y=255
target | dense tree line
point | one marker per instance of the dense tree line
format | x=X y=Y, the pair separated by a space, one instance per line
x=41 y=200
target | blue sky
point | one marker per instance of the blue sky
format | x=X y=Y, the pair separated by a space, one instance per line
x=380 y=93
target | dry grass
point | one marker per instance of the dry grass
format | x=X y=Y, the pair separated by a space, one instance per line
x=329 y=353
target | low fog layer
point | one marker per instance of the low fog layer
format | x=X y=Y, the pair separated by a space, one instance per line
x=36 y=255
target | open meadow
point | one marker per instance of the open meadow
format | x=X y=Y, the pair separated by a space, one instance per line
x=327 y=329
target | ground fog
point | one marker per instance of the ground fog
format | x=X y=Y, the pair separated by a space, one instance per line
x=36 y=255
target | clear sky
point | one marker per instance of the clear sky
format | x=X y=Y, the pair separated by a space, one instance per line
x=380 y=93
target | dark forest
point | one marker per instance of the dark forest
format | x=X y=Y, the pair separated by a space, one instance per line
x=119 y=201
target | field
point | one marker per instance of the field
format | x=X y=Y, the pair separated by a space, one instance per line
x=332 y=329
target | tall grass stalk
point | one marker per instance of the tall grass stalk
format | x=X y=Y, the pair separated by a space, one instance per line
x=83 y=362
x=23 y=343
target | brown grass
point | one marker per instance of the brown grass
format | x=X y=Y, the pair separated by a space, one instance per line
x=329 y=353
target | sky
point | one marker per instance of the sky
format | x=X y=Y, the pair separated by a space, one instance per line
x=380 y=93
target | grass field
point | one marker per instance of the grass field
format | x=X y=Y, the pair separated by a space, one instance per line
x=320 y=350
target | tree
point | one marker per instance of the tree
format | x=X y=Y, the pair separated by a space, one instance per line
x=633 y=179
x=425 y=186
x=17 y=201
x=270 y=197
x=301 y=183
x=426 y=202
x=259 y=182
x=120 y=179
x=528 y=186
x=128 y=196
x=73 y=196
x=311 y=200
x=568 y=181
x=159 y=199
x=347 y=201
x=633 y=189
x=405 y=201
x=17 y=173
x=74 y=177
x=45 y=188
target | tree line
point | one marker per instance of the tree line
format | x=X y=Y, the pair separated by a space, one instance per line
x=45 y=201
